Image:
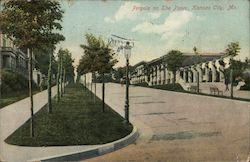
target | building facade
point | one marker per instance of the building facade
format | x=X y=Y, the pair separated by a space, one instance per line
x=210 y=68
x=15 y=60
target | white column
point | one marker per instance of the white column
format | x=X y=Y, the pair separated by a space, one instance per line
x=150 y=79
x=189 y=76
x=159 y=74
x=213 y=72
x=206 y=73
x=194 y=75
x=162 y=74
x=199 y=70
x=184 y=75
x=154 y=76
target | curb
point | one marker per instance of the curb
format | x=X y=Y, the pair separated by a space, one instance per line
x=94 y=152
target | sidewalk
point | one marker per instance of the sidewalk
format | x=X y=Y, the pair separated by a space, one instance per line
x=12 y=117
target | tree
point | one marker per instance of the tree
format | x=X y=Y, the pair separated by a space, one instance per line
x=68 y=66
x=30 y=22
x=65 y=70
x=119 y=73
x=97 y=57
x=42 y=58
x=232 y=49
x=174 y=61
x=197 y=60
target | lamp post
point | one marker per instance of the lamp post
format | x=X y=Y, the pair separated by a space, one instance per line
x=127 y=53
x=124 y=45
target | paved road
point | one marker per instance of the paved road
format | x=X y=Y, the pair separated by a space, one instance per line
x=12 y=117
x=181 y=127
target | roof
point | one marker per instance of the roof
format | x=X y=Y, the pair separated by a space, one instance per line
x=140 y=63
x=189 y=58
x=204 y=57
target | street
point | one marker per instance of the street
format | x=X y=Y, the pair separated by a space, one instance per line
x=180 y=127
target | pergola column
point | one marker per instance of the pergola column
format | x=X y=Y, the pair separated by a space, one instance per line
x=189 y=76
x=194 y=74
x=184 y=75
x=155 y=76
x=213 y=72
x=162 y=74
x=206 y=73
x=199 y=70
x=158 y=74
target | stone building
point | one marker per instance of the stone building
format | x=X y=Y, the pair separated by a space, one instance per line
x=210 y=67
x=15 y=60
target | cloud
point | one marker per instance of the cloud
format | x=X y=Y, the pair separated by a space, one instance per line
x=154 y=15
x=124 y=12
x=109 y=20
x=172 y=24
x=130 y=10
x=172 y=30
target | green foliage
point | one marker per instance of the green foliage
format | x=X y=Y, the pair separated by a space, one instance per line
x=67 y=63
x=97 y=56
x=106 y=78
x=246 y=79
x=31 y=22
x=143 y=84
x=119 y=73
x=170 y=87
x=174 y=61
x=76 y=120
x=233 y=49
x=13 y=83
x=42 y=57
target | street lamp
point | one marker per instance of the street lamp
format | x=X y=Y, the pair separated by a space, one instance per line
x=127 y=53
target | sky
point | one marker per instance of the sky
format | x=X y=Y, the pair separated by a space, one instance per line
x=158 y=26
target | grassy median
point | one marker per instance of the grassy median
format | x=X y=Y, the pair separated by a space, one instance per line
x=75 y=120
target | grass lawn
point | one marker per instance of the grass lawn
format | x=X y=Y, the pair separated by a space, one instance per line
x=75 y=120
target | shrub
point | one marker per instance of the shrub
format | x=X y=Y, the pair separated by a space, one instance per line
x=247 y=83
x=143 y=84
x=13 y=83
x=170 y=87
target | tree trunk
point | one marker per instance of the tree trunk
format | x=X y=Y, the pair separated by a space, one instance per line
x=164 y=74
x=95 y=87
x=198 y=82
x=61 y=75
x=231 y=80
x=49 y=84
x=103 y=94
x=58 y=80
x=91 y=84
x=85 y=81
x=30 y=93
x=64 y=80
x=0 y=74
